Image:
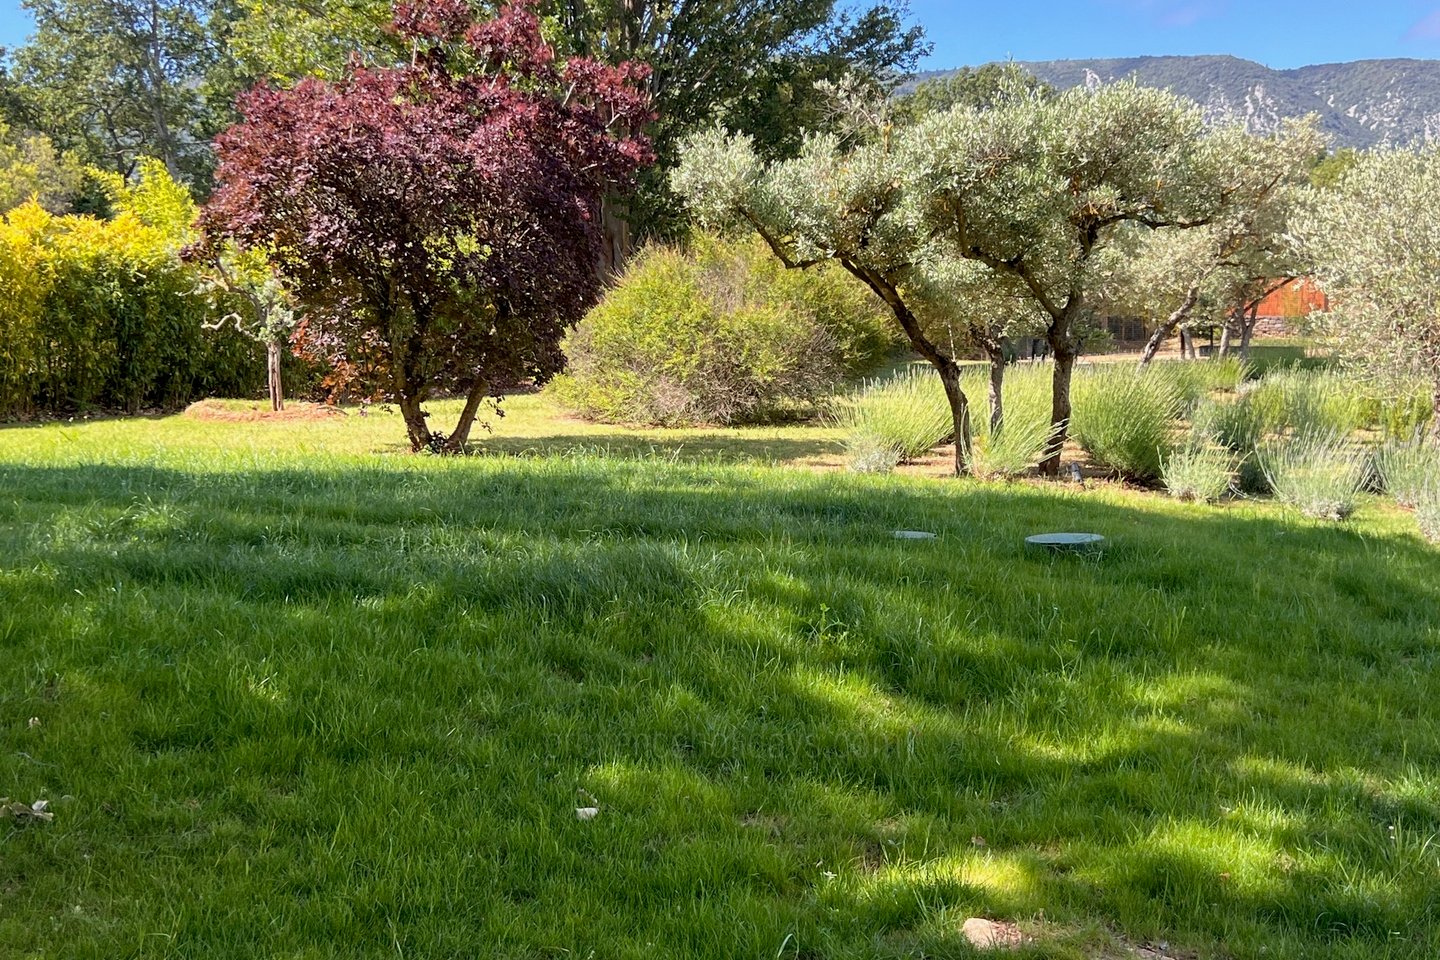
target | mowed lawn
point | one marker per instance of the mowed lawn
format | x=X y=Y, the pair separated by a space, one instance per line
x=297 y=694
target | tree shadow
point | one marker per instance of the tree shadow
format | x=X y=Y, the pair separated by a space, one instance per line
x=804 y=736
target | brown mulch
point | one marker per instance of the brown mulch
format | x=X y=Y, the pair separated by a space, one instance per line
x=218 y=411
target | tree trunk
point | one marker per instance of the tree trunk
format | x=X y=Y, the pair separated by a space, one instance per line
x=1225 y=333
x=272 y=375
x=457 y=441
x=1185 y=347
x=959 y=414
x=1163 y=332
x=415 y=426
x=1059 y=404
x=1435 y=410
x=1247 y=330
x=949 y=370
x=997 y=387
x=616 y=242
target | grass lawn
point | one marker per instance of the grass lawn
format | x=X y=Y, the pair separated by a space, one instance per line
x=298 y=695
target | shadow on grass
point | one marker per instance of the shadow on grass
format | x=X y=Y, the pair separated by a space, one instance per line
x=329 y=702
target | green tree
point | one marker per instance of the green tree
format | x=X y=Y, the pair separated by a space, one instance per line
x=1330 y=168
x=1035 y=191
x=1039 y=190
x=1375 y=243
x=752 y=65
x=1208 y=274
x=115 y=80
x=31 y=168
x=977 y=87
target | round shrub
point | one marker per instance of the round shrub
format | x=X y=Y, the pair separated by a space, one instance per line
x=720 y=332
x=1126 y=420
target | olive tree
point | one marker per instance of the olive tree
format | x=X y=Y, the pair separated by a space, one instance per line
x=1039 y=190
x=831 y=203
x=1034 y=189
x=1215 y=271
x=1375 y=244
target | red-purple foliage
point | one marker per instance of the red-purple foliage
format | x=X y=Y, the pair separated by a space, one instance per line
x=438 y=221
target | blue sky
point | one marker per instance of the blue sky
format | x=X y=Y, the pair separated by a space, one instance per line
x=1280 y=33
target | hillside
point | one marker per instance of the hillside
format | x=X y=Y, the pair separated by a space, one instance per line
x=1360 y=104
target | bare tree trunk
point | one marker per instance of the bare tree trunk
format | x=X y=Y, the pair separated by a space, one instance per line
x=1163 y=332
x=157 y=94
x=945 y=365
x=1247 y=331
x=959 y=414
x=996 y=353
x=616 y=242
x=1225 y=332
x=457 y=441
x=272 y=375
x=1060 y=408
x=415 y=426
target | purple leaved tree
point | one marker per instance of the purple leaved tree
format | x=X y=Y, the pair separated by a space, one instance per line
x=437 y=221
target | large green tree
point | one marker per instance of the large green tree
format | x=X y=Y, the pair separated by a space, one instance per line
x=115 y=80
x=1034 y=190
x=752 y=65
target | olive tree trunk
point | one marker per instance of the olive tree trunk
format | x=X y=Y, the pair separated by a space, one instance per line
x=1164 y=331
x=1060 y=408
x=996 y=354
x=272 y=375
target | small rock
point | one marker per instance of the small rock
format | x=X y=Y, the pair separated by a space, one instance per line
x=982 y=934
x=586 y=813
x=991 y=934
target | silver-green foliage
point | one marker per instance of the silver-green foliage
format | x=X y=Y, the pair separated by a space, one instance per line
x=1026 y=435
x=1126 y=419
x=1200 y=472
x=1427 y=512
x=893 y=421
x=1307 y=401
x=1408 y=469
x=1321 y=474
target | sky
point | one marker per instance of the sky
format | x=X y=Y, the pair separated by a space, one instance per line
x=1277 y=33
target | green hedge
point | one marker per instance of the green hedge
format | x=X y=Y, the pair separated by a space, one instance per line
x=103 y=314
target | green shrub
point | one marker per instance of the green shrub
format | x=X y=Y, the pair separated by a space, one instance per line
x=1200 y=472
x=1307 y=401
x=894 y=421
x=1234 y=424
x=102 y=313
x=720 y=332
x=1320 y=474
x=1125 y=419
x=1427 y=512
x=1408 y=468
x=1405 y=413
x=1026 y=435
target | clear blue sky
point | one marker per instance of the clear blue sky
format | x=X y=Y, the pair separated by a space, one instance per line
x=1280 y=33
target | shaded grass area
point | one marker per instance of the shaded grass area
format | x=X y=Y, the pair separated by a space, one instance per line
x=341 y=705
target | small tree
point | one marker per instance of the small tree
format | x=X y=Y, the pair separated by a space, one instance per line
x=1375 y=243
x=267 y=310
x=1211 y=272
x=1038 y=190
x=830 y=204
x=438 y=222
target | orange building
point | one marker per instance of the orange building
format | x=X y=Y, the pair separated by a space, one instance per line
x=1294 y=301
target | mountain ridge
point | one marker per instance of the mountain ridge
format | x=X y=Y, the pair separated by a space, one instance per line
x=1361 y=103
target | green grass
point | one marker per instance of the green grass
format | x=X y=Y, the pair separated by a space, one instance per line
x=299 y=697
